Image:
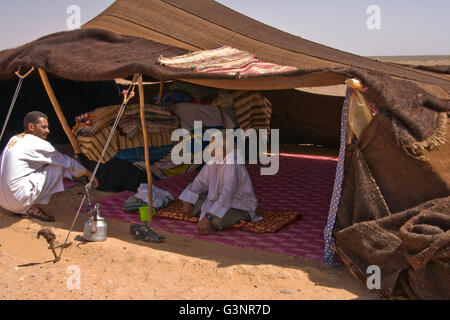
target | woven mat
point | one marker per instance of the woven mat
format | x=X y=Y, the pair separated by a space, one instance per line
x=272 y=221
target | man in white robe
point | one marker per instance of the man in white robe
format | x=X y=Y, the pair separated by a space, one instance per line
x=230 y=196
x=31 y=170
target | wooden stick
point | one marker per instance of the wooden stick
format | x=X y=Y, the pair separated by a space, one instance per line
x=161 y=89
x=58 y=110
x=25 y=75
x=146 y=152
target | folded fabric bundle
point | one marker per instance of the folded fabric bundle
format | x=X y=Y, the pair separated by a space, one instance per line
x=138 y=154
x=210 y=116
x=197 y=92
x=133 y=204
x=160 y=197
x=174 y=96
x=91 y=122
x=92 y=146
x=93 y=128
x=252 y=110
x=133 y=126
x=88 y=123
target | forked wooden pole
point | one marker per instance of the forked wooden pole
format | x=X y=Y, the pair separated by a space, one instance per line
x=58 y=110
x=146 y=151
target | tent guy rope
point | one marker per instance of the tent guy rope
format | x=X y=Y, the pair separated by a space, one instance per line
x=16 y=94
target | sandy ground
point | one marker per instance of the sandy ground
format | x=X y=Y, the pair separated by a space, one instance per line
x=179 y=268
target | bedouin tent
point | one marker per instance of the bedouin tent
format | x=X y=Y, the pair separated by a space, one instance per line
x=390 y=203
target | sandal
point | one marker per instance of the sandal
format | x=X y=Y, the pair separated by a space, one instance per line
x=38 y=213
x=145 y=233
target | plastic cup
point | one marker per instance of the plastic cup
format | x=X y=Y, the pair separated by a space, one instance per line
x=143 y=211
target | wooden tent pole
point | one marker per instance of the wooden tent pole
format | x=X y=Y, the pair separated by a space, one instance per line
x=161 y=90
x=146 y=151
x=58 y=110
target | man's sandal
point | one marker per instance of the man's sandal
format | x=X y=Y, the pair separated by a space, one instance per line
x=38 y=213
x=145 y=233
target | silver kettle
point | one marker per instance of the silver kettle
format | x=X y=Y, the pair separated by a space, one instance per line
x=95 y=228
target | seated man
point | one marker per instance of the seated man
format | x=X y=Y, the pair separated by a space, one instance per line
x=31 y=170
x=224 y=192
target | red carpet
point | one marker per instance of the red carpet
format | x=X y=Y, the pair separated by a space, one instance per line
x=303 y=184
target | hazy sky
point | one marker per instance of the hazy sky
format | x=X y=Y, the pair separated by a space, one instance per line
x=414 y=27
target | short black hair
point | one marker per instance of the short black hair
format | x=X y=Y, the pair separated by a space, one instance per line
x=33 y=117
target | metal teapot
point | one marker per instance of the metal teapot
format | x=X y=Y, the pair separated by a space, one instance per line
x=95 y=228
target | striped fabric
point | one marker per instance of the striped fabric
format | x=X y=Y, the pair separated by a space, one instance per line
x=98 y=119
x=252 y=110
x=92 y=129
x=92 y=146
x=224 y=60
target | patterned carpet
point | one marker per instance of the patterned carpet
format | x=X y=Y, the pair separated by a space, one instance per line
x=303 y=184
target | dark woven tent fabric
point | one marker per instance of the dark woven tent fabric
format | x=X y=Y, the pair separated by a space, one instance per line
x=412 y=249
x=400 y=162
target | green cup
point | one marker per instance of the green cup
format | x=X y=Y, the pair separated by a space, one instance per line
x=143 y=211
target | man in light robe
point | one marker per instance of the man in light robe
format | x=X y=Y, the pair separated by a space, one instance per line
x=222 y=193
x=31 y=170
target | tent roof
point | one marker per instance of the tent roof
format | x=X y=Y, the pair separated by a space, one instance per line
x=129 y=36
x=205 y=24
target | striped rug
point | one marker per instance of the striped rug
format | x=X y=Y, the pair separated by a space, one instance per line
x=224 y=60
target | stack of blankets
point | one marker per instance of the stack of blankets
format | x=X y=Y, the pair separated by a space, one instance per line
x=253 y=111
x=182 y=104
x=218 y=107
x=93 y=128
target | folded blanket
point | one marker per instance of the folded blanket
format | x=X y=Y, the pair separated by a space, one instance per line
x=252 y=110
x=160 y=197
x=91 y=122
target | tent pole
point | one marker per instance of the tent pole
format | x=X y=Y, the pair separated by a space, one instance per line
x=146 y=152
x=161 y=90
x=58 y=110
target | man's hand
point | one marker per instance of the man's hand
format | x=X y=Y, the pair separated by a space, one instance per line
x=204 y=224
x=187 y=210
x=94 y=182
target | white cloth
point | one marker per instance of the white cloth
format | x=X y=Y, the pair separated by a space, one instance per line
x=211 y=116
x=160 y=197
x=31 y=171
x=228 y=186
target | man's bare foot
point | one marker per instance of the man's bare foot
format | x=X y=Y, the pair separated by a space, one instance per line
x=187 y=210
x=203 y=226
